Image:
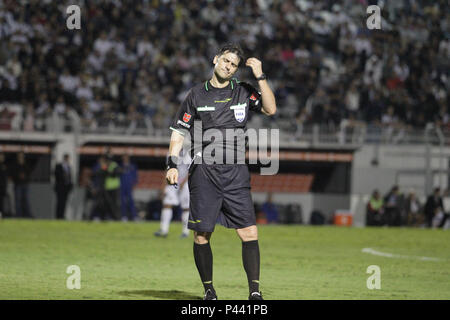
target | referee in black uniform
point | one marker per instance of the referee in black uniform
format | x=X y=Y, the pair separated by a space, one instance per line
x=221 y=190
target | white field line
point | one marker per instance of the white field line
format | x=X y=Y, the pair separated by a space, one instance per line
x=392 y=255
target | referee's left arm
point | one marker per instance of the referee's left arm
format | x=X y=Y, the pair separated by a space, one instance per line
x=269 y=106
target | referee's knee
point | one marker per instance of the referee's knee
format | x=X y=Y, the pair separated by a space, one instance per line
x=201 y=237
x=248 y=233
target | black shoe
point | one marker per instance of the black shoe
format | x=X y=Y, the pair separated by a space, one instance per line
x=255 y=296
x=210 y=295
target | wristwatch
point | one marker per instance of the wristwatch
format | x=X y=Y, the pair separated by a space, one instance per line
x=261 y=77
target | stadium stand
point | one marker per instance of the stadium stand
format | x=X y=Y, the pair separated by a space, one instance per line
x=133 y=61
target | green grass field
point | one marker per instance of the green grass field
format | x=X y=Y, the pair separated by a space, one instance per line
x=125 y=261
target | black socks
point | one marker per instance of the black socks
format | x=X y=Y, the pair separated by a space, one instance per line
x=204 y=262
x=250 y=257
x=251 y=261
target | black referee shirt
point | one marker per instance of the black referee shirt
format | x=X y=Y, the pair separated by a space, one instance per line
x=214 y=110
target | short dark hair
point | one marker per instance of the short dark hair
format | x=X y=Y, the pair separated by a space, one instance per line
x=233 y=48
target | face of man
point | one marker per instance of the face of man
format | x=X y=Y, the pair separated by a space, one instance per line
x=226 y=65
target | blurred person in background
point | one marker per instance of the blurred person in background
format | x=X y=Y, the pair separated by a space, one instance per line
x=270 y=209
x=154 y=206
x=260 y=215
x=89 y=205
x=176 y=195
x=106 y=178
x=128 y=180
x=375 y=210
x=112 y=186
x=435 y=215
x=433 y=206
x=29 y=118
x=21 y=179
x=392 y=207
x=413 y=210
x=6 y=117
x=96 y=189
x=63 y=185
x=3 y=183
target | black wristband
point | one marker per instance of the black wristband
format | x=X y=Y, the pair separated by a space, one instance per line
x=172 y=162
x=261 y=77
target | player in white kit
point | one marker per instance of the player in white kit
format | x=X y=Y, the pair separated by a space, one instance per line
x=176 y=195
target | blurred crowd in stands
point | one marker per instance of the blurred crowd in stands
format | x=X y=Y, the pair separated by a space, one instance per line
x=132 y=62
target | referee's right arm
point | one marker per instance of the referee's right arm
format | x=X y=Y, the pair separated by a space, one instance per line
x=183 y=120
x=176 y=143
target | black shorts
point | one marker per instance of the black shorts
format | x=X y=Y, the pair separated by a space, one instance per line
x=220 y=193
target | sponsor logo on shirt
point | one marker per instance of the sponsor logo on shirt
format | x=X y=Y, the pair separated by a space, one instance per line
x=206 y=108
x=223 y=101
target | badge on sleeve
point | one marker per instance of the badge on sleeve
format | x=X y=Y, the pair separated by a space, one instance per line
x=186 y=117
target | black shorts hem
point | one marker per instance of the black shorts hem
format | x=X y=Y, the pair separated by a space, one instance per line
x=239 y=227
x=200 y=229
x=235 y=227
